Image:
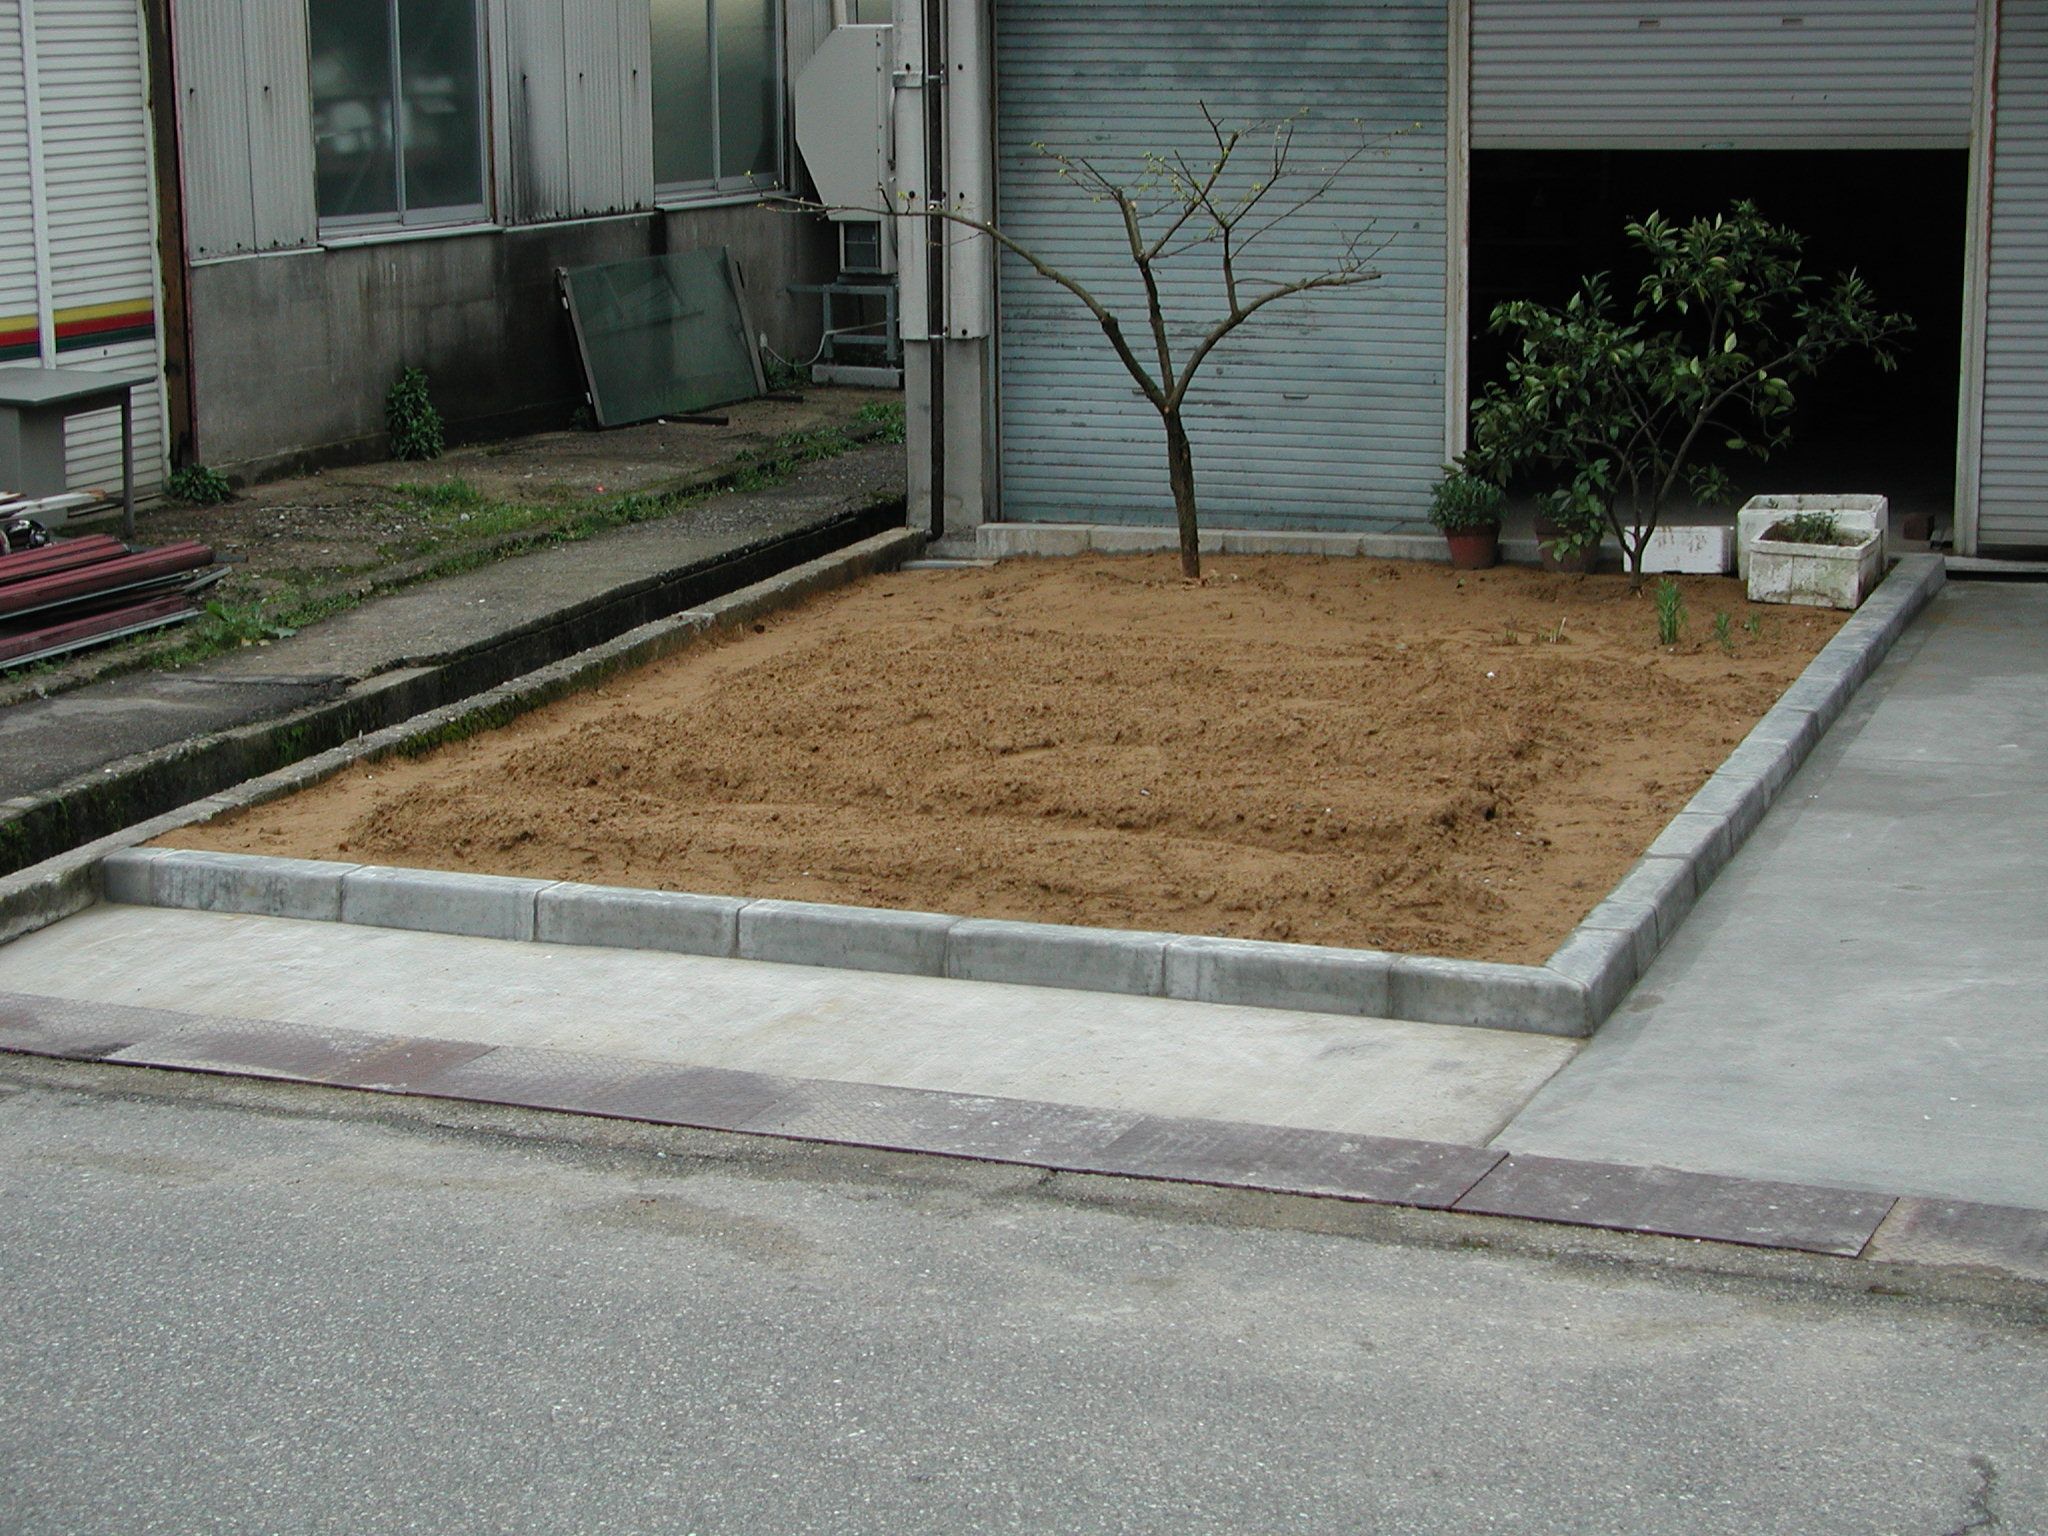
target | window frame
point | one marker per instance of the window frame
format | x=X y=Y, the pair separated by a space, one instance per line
x=721 y=188
x=407 y=221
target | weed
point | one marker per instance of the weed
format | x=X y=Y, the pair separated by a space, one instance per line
x=410 y=418
x=1807 y=528
x=1556 y=635
x=1509 y=635
x=1721 y=636
x=1755 y=625
x=1670 y=611
x=198 y=486
x=889 y=414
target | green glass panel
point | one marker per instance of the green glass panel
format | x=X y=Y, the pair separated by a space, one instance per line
x=682 y=91
x=661 y=336
x=355 y=159
x=746 y=90
x=437 y=66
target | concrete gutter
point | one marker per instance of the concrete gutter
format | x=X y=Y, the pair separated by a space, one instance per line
x=1572 y=994
x=40 y=825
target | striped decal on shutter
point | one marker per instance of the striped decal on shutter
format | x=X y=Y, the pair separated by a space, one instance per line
x=2012 y=487
x=1725 y=74
x=1325 y=411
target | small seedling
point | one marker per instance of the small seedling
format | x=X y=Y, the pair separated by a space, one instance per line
x=1755 y=625
x=1670 y=611
x=1509 y=635
x=1721 y=635
x=1808 y=528
x=1556 y=635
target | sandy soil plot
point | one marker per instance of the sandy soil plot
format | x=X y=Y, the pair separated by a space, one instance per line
x=1370 y=753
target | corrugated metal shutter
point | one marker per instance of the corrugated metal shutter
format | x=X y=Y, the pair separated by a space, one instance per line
x=2012 y=486
x=1735 y=74
x=100 y=201
x=19 y=320
x=1326 y=410
x=245 y=126
x=579 y=137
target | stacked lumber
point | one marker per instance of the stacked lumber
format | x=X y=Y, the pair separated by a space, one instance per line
x=66 y=594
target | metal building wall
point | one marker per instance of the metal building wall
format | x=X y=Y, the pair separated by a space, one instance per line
x=245 y=126
x=20 y=296
x=2012 y=485
x=1326 y=410
x=90 y=96
x=1723 y=74
x=575 y=110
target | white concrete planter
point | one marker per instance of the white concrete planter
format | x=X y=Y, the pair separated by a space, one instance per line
x=1852 y=514
x=1819 y=575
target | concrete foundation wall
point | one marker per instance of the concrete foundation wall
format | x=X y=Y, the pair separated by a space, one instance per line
x=292 y=353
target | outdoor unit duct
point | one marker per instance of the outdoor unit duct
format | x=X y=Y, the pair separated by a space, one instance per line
x=842 y=131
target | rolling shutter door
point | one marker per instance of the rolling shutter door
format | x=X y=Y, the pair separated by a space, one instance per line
x=1326 y=410
x=1722 y=74
x=2012 y=494
x=99 y=201
x=19 y=324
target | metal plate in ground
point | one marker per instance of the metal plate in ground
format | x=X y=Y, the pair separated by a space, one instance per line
x=1384 y=1169
x=255 y=1048
x=662 y=335
x=59 y=1026
x=532 y=1078
x=1672 y=1203
x=956 y=1124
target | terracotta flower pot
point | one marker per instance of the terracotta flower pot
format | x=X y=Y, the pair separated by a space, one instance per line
x=1578 y=562
x=1474 y=549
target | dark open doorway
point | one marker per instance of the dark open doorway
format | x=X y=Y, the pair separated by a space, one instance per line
x=1541 y=219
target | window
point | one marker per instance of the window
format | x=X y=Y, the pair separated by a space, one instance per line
x=717 y=95
x=397 y=121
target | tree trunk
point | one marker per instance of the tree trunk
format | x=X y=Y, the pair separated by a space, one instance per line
x=1180 y=470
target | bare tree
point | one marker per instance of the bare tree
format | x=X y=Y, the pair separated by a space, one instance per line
x=1249 y=184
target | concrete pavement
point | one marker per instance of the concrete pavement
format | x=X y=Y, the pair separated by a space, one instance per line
x=1862 y=997
x=238 y=1308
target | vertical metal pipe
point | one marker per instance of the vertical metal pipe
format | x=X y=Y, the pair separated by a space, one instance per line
x=935 y=196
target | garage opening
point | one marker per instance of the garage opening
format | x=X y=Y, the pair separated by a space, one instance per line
x=1542 y=219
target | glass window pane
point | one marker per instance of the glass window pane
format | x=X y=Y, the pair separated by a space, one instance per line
x=747 y=116
x=437 y=67
x=355 y=165
x=682 y=91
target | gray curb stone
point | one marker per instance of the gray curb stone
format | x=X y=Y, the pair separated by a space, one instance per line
x=1490 y=996
x=308 y=889
x=1248 y=972
x=852 y=938
x=1603 y=965
x=1052 y=955
x=618 y=917
x=441 y=901
x=129 y=876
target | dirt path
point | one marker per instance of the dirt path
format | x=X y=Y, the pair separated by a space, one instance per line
x=1370 y=753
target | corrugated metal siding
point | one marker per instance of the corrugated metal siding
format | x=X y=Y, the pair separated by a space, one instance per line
x=2012 y=494
x=805 y=23
x=18 y=313
x=579 y=135
x=100 y=199
x=1326 y=410
x=1683 y=74
x=245 y=126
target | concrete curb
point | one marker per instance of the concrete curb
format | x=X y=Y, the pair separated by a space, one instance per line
x=42 y=825
x=1571 y=994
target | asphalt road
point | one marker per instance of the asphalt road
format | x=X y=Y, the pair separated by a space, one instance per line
x=234 y=1307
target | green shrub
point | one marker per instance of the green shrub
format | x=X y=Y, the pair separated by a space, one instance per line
x=1807 y=528
x=410 y=418
x=1465 y=503
x=1670 y=610
x=198 y=486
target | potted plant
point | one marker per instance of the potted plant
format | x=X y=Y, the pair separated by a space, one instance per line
x=1811 y=558
x=1467 y=508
